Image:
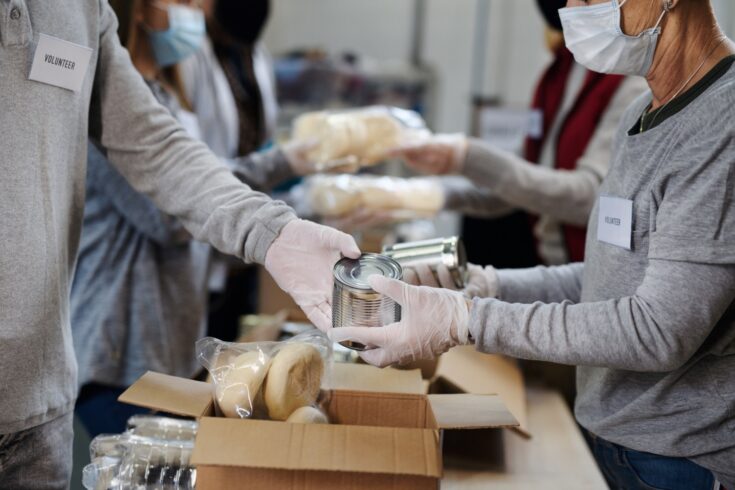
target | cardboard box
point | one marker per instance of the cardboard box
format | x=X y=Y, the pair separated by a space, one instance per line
x=377 y=439
x=465 y=370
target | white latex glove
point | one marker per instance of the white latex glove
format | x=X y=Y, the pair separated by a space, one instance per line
x=482 y=282
x=439 y=155
x=433 y=321
x=297 y=154
x=301 y=261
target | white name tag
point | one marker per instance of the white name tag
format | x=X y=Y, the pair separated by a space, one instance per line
x=60 y=63
x=615 y=221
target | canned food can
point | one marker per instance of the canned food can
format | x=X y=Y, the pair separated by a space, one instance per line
x=355 y=303
x=448 y=251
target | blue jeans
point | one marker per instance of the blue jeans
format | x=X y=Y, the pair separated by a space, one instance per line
x=100 y=412
x=626 y=469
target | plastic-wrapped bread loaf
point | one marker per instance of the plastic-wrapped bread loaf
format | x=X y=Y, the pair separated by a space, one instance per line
x=307 y=415
x=294 y=380
x=237 y=392
x=331 y=196
x=364 y=136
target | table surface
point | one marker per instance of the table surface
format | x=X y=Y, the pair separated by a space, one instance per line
x=556 y=457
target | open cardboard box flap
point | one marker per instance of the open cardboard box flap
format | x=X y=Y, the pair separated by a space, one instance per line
x=465 y=370
x=170 y=394
x=465 y=411
x=352 y=449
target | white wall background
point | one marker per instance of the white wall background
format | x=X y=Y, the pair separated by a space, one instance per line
x=382 y=29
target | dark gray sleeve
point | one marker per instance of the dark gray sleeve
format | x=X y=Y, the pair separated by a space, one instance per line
x=463 y=196
x=154 y=153
x=546 y=284
x=656 y=330
x=262 y=170
x=137 y=209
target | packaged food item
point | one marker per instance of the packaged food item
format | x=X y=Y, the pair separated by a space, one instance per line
x=129 y=461
x=416 y=197
x=165 y=428
x=268 y=380
x=355 y=138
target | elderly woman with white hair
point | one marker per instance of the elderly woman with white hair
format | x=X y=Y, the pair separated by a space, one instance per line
x=649 y=317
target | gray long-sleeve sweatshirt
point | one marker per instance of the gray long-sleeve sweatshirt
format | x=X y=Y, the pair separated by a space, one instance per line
x=44 y=138
x=652 y=328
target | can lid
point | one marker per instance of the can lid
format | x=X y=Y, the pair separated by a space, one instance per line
x=354 y=273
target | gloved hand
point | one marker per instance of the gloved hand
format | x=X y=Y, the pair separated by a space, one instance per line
x=297 y=154
x=301 y=261
x=482 y=282
x=433 y=321
x=439 y=155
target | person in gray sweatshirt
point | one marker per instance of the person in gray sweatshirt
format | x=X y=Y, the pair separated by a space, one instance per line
x=139 y=295
x=66 y=78
x=649 y=317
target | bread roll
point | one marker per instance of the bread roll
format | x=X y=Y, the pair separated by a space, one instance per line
x=307 y=415
x=294 y=380
x=238 y=389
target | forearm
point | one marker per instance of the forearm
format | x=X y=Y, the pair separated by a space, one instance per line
x=262 y=171
x=545 y=284
x=137 y=209
x=463 y=196
x=659 y=328
x=183 y=178
x=567 y=196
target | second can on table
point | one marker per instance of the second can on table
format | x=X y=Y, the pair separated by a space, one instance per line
x=439 y=251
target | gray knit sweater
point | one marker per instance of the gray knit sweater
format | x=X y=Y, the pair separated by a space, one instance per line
x=652 y=328
x=44 y=138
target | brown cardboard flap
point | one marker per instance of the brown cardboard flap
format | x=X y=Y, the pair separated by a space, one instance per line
x=470 y=371
x=465 y=411
x=362 y=377
x=170 y=394
x=284 y=446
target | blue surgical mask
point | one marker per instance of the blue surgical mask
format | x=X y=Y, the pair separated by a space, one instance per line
x=183 y=38
x=595 y=37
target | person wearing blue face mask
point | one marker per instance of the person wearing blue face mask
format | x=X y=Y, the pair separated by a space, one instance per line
x=183 y=37
x=649 y=317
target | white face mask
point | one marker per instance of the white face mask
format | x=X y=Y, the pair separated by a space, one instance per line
x=594 y=36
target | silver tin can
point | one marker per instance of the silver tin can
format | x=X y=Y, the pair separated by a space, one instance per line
x=448 y=251
x=355 y=303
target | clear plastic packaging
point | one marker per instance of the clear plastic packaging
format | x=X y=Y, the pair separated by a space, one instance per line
x=128 y=461
x=267 y=380
x=162 y=428
x=406 y=198
x=355 y=138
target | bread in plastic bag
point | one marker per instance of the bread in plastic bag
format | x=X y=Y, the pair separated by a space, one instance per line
x=357 y=137
x=413 y=198
x=267 y=380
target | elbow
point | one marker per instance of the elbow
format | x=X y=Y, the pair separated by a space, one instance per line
x=669 y=358
x=667 y=363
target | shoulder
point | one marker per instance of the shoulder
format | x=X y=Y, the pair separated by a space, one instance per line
x=715 y=108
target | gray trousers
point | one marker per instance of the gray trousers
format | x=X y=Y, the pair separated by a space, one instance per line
x=38 y=458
